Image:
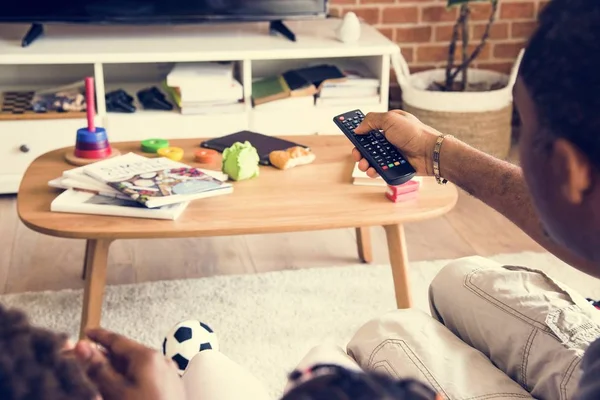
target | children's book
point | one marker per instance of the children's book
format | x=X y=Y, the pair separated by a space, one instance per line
x=81 y=202
x=156 y=182
x=76 y=178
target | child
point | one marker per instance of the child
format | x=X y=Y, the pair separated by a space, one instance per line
x=37 y=364
x=34 y=365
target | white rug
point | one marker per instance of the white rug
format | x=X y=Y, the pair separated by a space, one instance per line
x=266 y=322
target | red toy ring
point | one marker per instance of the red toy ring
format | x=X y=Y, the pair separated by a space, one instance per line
x=205 y=156
x=93 y=154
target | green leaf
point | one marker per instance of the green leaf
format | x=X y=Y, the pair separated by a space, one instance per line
x=456 y=3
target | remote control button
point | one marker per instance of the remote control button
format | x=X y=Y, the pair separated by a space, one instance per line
x=384 y=167
x=396 y=163
x=390 y=165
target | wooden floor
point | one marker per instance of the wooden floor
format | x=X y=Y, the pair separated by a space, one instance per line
x=34 y=262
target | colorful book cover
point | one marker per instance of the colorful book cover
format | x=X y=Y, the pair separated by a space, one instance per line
x=156 y=182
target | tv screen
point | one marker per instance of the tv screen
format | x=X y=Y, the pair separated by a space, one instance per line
x=157 y=11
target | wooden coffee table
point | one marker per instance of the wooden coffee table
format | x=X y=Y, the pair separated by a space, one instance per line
x=313 y=197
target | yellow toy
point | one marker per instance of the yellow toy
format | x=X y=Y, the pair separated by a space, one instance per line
x=174 y=153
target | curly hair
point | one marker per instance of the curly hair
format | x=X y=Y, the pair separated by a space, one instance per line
x=339 y=383
x=560 y=69
x=32 y=365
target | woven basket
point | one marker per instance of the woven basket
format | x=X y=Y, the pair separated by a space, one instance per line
x=481 y=119
x=488 y=131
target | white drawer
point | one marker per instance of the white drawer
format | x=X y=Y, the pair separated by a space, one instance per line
x=21 y=142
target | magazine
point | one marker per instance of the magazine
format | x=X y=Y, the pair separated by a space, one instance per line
x=156 y=182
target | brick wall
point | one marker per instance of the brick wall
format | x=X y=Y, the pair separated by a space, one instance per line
x=422 y=28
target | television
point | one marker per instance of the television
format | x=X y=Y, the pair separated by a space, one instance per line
x=39 y=12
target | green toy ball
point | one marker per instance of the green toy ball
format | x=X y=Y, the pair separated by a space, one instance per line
x=240 y=161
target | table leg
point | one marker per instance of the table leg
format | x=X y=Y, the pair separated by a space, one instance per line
x=95 y=280
x=85 y=258
x=399 y=261
x=363 y=241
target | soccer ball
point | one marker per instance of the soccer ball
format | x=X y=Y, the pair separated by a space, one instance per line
x=186 y=339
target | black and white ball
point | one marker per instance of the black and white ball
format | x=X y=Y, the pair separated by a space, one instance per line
x=186 y=339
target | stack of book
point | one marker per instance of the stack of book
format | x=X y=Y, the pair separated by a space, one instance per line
x=294 y=88
x=205 y=88
x=131 y=185
x=359 y=87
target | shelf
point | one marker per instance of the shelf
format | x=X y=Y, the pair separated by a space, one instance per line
x=79 y=44
x=143 y=56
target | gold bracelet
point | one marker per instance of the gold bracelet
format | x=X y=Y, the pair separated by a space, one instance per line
x=436 y=159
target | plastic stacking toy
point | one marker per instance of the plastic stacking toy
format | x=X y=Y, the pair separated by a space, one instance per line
x=92 y=142
x=206 y=156
x=153 y=145
x=174 y=153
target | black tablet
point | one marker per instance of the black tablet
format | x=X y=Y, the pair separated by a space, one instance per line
x=264 y=144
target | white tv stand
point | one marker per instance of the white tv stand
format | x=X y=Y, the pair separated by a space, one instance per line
x=136 y=57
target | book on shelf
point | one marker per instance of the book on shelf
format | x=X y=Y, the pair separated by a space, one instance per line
x=301 y=82
x=269 y=89
x=321 y=74
x=356 y=92
x=359 y=83
x=232 y=108
x=209 y=73
x=84 y=202
x=156 y=182
x=289 y=103
x=208 y=93
x=346 y=101
x=225 y=103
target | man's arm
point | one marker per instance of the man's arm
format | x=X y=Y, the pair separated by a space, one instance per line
x=500 y=185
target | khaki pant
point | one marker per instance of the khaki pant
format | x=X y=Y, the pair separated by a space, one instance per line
x=500 y=332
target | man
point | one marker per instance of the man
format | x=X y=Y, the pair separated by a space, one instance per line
x=500 y=332
x=506 y=331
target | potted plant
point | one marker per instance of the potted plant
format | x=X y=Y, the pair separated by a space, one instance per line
x=474 y=105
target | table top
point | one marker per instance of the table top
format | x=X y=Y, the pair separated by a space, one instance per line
x=311 y=197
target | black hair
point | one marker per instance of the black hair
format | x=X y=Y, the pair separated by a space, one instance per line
x=338 y=383
x=561 y=70
x=33 y=365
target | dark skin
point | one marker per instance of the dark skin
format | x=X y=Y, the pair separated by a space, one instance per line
x=123 y=369
x=553 y=198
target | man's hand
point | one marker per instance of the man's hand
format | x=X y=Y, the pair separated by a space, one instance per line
x=127 y=370
x=414 y=139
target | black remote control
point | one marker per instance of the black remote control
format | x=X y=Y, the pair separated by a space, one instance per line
x=383 y=156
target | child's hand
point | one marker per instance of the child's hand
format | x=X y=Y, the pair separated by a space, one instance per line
x=128 y=370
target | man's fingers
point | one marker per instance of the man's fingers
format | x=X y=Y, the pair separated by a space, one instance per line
x=356 y=155
x=374 y=121
x=363 y=165
x=372 y=173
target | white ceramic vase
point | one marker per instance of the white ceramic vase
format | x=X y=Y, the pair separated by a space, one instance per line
x=349 y=29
